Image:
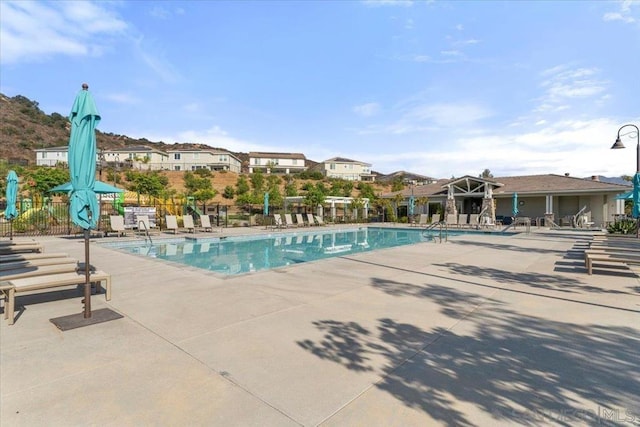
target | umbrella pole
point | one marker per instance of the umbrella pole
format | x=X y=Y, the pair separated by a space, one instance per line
x=11 y=229
x=87 y=275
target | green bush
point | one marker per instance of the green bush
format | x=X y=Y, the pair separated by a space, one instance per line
x=624 y=226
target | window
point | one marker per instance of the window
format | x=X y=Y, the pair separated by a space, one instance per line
x=176 y=168
x=295 y=162
x=176 y=156
x=44 y=154
x=332 y=166
x=256 y=161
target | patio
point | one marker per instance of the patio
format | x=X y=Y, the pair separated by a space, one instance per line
x=482 y=330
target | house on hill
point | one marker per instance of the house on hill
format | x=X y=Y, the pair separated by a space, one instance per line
x=285 y=163
x=193 y=159
x=347 y=169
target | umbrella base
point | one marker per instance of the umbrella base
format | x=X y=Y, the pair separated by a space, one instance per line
x=74 y=321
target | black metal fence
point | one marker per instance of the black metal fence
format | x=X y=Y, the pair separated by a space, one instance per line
x=52 y=218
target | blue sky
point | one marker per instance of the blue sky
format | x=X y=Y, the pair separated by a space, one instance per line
x=436 y=88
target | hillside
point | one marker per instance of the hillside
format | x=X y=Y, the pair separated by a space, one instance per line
x=24 y=128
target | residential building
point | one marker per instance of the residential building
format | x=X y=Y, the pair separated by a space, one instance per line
x=277 y=162
x=138 y=157
x=347 y=169
x=52 y=156
x=193 y=159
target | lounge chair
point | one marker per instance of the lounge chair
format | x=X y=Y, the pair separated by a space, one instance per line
x=319 y=220
x=68 y=265
x=34 y=263
x=187 y=220
x=310 y=220
x=422 y=220
x=143 y=223
x=172 y=223
x=20 y=247
x=435 y=218
x=300 y=220
x=462 y=220
x=4 y=243
x=30 y=256
x=46 y=282
x=474 y=220
x=288 y=221
x=621 y=257
x=205 y=223
x=277 y=221
x=116 y=225
x=452 y=219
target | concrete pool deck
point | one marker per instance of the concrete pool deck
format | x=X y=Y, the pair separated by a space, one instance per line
x=481 y=330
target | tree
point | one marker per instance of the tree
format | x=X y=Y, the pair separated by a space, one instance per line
x=199 y=187
x=242 y=186
x=149 y=182
x=366 y=191
x=397 y=184
x=397 y=199
x=43 y=178
x=486 y=174
x=228 y=192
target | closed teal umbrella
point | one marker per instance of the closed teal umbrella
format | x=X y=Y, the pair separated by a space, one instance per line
x=83 y=209
x=514 y=207
x=12 y=193
x=412 y=205
x=265 y=210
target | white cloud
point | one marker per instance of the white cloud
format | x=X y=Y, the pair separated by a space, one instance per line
x=563 y=84
x=123 y=98
x=33 y=31
x=367 y=110
x=623 y=14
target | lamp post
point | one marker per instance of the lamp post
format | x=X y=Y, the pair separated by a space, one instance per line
x=636 y=179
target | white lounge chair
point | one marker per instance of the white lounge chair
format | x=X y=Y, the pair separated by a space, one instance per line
x=435 y=218
x=172 y=223
x=288 y=221
x=116 y=225
x=319 y=220
x=474 y=220
x=187 y=220
x=66 y=266
x=452 y=219
x=300 y=220
x=30 y=256
x=462 y=220
x=277 y=221
x=20 y=247
x=46 y=282
x=35 y=263
x=310 y=220
x=422 y=220
x=205 y=223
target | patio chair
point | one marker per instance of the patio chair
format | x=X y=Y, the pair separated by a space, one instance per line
x=31 y=256
x=422 y=220
x=116 y=225
x=452 y=219
x=300 y=220
x=310 y=220
x=47 y=282
x=35 y=263
x=205 y=223
x=462 y=220
x=277 y=221
x=187 y=220
x=435 y=218
x=20 y=247
x=288 y=221
x=66 y=266
x=172 y=223
x=474 y=220
x=319 y=220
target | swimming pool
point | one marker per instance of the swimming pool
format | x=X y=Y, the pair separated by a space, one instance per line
x=244 y=254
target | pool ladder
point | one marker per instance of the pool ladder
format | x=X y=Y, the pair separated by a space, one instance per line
x=442 y=227
x=143 y=225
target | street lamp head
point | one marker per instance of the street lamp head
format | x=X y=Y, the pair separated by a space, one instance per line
x=618 y=144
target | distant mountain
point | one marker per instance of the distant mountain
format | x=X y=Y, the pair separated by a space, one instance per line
x=24 y=128
x=613 y=180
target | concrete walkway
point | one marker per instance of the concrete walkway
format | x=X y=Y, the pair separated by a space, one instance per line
x=482 y=330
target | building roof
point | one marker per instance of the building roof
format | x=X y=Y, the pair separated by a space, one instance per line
x=61 y=148
x=523 y=185
x=345 y=160
x=136 y=149
x=277 y=155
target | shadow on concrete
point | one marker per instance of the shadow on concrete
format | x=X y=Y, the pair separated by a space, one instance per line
x=518 y=368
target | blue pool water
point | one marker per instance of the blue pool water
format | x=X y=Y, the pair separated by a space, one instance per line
x=238 y=255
